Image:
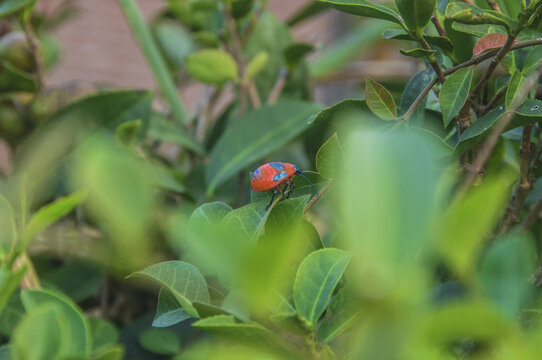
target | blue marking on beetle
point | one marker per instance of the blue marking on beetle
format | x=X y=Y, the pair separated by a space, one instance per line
x=256 y=174
x=297 y=169
x=277 y=165
x=280 y=176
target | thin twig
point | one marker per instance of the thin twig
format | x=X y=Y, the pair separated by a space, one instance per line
x=522 y=187
x=493 y=101
x=277 y=88
x=253 y=95
x=432 y=60
x=437 y=25
x=31 y=38
x=253 y=22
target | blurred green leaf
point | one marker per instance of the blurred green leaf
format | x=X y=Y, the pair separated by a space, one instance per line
x=468 y=221
x=182 y=279
x=306 y=12
x=294 y=53
x=474 y=319
x=9 y=7
x=11 y=314
x=416 y=13
x=234 y=304
x=241 y=8
x=505 y=270
x=256 y=135
x=78 y=280
x=417 y=53
x=341 y=315
x=8 y=232
x=388 y=199
x=75 y=322
x=44 y=334
x=104 y=334
x=358 y=41
x=50 y=214
x=5 y=352
x=256 y=64
x=454 y=93
x=163 y=130
x=211 y=66
x=174 y=40
x=251 y=334
x=315 y=281
x=127 y=132
x=365 y=8
x=13 y=79
x=111 y=353
x=9 y=282
x=379 y=100
x=169 y=311
x=160 y=341
x=515 y=94
x=330 y=158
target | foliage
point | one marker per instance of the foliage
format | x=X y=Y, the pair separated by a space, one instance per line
x=417 y=237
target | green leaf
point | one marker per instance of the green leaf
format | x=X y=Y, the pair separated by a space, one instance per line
x=443 y=42
x=8 y=232
x=9 y=282
x=247 y=221
x=379 y=100
x=306 y=12
x=465 y=225
x=454 y=93
x=162 y=129
x=12 y=79
x=413 y=89
x=416 y=13
x=51 y=213
x=127 y=132
x=511 y=8
x=208 y=310
x=365 y=8
x=104 y=334
x=482 y=125
x=342 y=314
x=256 y=135
x=505 y=270
x=44 y=334
x=182 y=279
x=160 y=341
x=75 y=322
x=533 y=60
x=11 y=314
x=174 y=40
x=5 y=352
x=345 y=108
x=211 y=66
x=417 y=53
x=472 y=15
x=168 y=312
x=315 y=281
x=79 y=280
x=515 y=94
x=330 y=158
x=9 y=7
x=251 y=334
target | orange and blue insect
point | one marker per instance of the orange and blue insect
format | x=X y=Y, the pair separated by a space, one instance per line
x=272 y=175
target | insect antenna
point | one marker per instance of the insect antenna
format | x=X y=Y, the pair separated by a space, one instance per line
x=300 y=173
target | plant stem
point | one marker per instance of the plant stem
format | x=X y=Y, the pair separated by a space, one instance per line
x=531 y=217
x=475 y=60
x=30 y=278
x=154 y=58
x=31 y=38
x=522 y=187
x=432 y=59
x=438 y=26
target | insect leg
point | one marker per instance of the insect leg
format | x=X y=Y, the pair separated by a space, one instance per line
x=284 y=189
x=292 y=187
x=272 y=198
